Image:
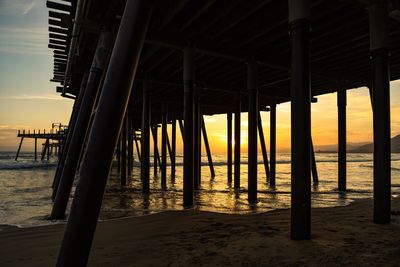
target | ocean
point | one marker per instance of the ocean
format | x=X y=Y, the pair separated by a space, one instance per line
x=25 y=188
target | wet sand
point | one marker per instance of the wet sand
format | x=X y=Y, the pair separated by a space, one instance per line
x=340 y=236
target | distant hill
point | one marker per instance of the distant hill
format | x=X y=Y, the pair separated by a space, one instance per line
x=363 y=147
x=368 y=148
x=334 y=148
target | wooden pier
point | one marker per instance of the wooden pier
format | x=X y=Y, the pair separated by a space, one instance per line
x=132 y=65
x=53 y=143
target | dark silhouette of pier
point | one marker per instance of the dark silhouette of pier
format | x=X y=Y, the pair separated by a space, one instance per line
x=134 y=65
x=53 y=140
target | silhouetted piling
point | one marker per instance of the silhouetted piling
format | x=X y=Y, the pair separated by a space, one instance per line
x=188 y=80
x=35 y=149
x=300 y=95
x=154 y=131
x=71 y=125
x=207 y=145
x=263 y=146
x=314 y=170
x=229 y=144
x=82 y=125
x=379 y=48
x=341 y=103
x=19 y=148
x=96 y=163
x=145 y=139
x=252 y=87
x=130 y=145
x=237 y=143
x=272 y=144
x=173 y=146
x=196 y=139
x=123 y=151
x=164 y=147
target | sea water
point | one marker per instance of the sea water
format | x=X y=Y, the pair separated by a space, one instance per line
x=25 y=188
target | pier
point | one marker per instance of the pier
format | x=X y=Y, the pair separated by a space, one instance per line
x=53 y=140
x=133 y=66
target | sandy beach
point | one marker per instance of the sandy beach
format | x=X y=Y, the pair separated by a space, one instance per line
x=341 y=236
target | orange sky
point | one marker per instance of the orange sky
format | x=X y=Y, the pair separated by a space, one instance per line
x=31 y=112
x=29 y=101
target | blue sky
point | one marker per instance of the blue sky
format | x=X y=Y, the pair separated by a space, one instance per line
x=27 y=98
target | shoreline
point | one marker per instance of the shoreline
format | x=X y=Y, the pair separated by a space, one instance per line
x=340 y=236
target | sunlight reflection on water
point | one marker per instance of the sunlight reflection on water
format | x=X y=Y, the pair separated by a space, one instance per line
x=25 y=188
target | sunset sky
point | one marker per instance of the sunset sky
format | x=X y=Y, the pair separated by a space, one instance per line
x=28 y=100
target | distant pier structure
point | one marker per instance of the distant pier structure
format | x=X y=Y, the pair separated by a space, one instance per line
x=53 y=140
x=135 y=65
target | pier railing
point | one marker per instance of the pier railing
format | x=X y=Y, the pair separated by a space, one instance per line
x=53 y=139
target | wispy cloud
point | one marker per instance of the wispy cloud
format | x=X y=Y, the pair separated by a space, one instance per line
x=31 y=40
x=16 y=7
x=33 y=97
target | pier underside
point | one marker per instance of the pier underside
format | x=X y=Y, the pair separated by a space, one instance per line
x=174 y=61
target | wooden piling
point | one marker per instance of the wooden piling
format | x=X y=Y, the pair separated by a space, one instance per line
x=263 y=146
x=137 y=146
x=123 y=151
x=379 y=50
x=35 y=149
x=66 y=142
x=45 y=148
x=82 y=123
x=188 y=146
x=96 y=163
x=196 y=139
x=272 y=145
x=300 y=95
x=130 y=144
x=154 y=131
x=118 y=154
x=208 y=150
x=19 y=148
x=173 y=146
x=342 y=154
x=314 y=170
x=164 y=147
x=229 y=148
x=237 y=143
x=252 y=85
x=145 y=139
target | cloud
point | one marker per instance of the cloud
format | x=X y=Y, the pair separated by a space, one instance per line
x=9 y=132
x=33 y=97
x=16 y=7
x=32 y=40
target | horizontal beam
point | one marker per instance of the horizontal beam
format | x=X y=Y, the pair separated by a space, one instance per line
x=58 y=6
x=58 y=36
x=58 y=30
x=177 y=42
